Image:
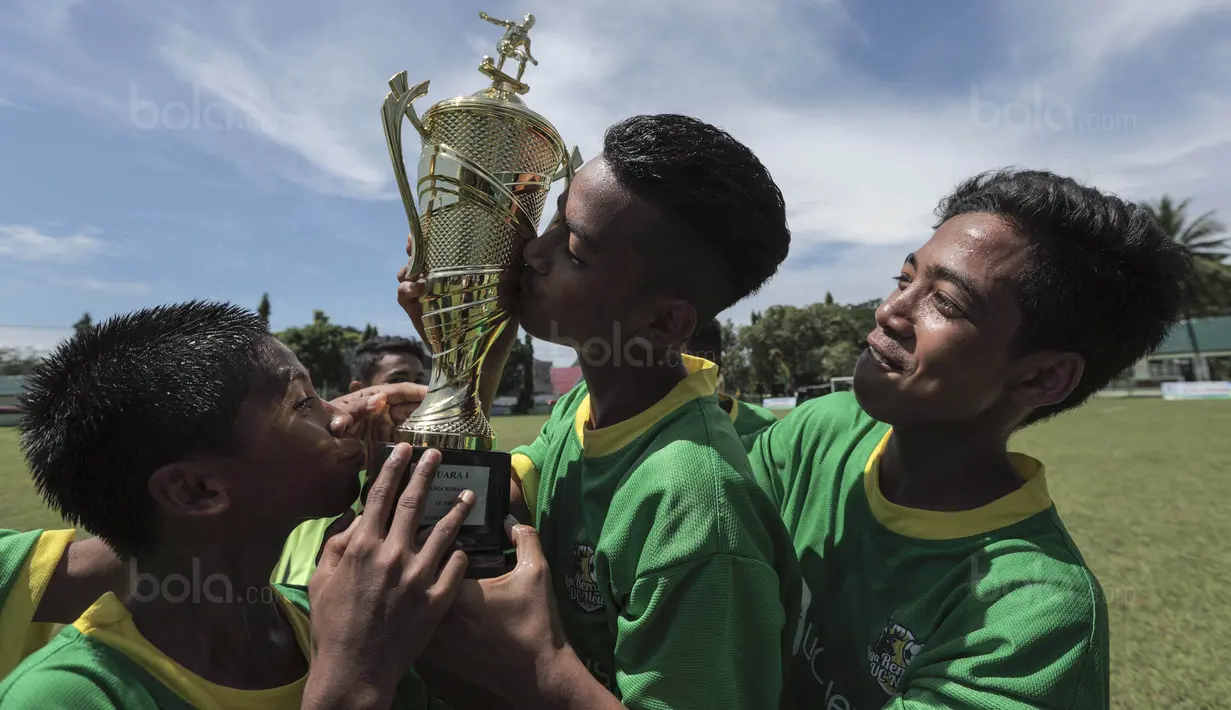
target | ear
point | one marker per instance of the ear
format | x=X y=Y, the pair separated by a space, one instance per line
x=672 y=324
x=1047 y=379
x=355 y=385
x=189 y=489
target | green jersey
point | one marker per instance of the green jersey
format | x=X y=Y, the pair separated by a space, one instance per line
x=102 y=662
x=905 y=608
x=745 y=417
x=673 y=575
x=27 y=560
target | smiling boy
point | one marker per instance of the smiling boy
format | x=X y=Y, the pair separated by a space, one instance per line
x=937 y=571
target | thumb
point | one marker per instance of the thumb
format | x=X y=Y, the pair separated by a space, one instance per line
x=526 y=538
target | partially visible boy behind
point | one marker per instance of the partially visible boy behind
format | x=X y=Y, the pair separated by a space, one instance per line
x=937 y=571
x=190 y=442
x=706 y=343
x=390 y=358
x=674 y=577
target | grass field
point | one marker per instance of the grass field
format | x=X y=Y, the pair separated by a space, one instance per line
x=1144 y=487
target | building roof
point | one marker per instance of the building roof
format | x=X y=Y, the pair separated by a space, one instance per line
x=1213 y=335
x=564 y=379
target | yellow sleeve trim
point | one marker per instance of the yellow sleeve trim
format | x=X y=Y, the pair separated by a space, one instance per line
x=109 y=622
x=529 y=476
x=18 y=636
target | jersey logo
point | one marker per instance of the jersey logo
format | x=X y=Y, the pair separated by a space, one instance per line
x=891 y=654
x=582 y=582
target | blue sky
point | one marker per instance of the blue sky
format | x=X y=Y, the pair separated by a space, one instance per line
x=159 y=151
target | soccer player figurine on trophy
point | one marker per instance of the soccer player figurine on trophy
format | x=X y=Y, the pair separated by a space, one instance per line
x=486 y=166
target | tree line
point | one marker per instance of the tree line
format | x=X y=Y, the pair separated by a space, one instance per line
x=782 y=349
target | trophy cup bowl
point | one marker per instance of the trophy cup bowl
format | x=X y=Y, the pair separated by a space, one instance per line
x=486 y=166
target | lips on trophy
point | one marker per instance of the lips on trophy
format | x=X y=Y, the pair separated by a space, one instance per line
x=486 y=165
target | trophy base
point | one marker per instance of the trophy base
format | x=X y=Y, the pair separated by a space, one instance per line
x=486 y=473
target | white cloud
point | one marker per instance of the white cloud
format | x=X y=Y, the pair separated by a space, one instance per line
x=26 y=243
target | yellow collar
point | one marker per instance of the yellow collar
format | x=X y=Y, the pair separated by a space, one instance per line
x=702 y=381
x=109 y=622
x=1032 y=498
x=727 y=401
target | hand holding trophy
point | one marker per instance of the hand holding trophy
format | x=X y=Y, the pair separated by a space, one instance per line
x=486 y=166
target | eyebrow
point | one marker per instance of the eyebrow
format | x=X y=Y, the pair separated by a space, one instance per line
x=288 y=374
x=573 y=227
x=944 y=273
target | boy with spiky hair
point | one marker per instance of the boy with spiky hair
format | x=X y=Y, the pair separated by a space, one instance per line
x=937 y=570
x=674 y=577
x=706 y=343
x=383 y=360
x=191 y=442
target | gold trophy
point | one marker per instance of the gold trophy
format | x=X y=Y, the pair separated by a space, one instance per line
x=487 y=164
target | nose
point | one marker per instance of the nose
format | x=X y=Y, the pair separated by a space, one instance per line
x=894 y=315
x=537 y=253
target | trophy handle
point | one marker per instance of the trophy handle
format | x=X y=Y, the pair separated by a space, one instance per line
x=399 y=104
x=569 y=167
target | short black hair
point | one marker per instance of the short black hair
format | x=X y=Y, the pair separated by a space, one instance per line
x=123 y=398
x=369 y=353
x=706 y=342
x=718 y=196
x=1104 y=280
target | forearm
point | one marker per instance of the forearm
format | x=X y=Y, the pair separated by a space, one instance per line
x=566 y=684
x=328 y=689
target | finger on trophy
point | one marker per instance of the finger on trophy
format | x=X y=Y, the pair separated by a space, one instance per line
x=409 y=295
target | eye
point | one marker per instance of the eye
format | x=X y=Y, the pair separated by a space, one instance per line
x=573 y=258
x=901 y=280
x=947 y=306
x=304 y=403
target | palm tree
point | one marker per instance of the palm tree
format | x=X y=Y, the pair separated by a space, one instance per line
x=1206 y=238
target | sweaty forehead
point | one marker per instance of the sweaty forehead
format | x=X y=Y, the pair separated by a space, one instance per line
x=983 y=248
x=602 y=211
x=280 y=370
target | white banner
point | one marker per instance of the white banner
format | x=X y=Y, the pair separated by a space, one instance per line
x=1197 y=390
x=778 y=403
